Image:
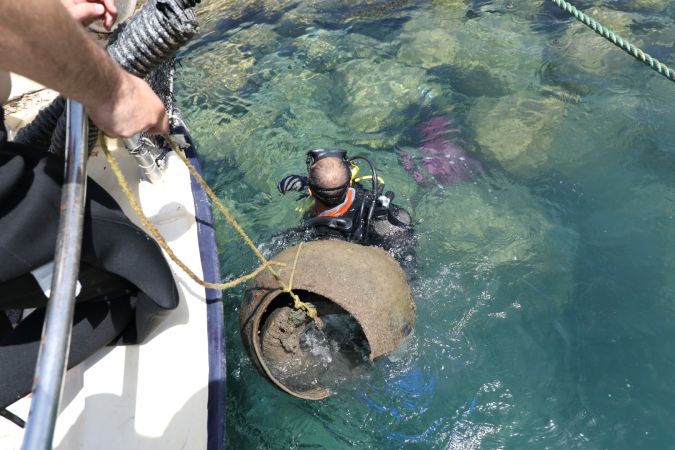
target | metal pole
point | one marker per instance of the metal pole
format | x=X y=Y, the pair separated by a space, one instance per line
x=142 y=149
x=53 y=355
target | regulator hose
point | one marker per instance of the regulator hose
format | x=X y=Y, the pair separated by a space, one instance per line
x=376 y=189
x=139 y=46
x=39 y=132
x=159 y=29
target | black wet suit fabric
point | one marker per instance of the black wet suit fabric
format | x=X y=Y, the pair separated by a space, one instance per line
x=94 y=325
x=390 y=228
x=126 y=283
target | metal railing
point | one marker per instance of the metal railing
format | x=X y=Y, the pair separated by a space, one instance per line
x=56 y=333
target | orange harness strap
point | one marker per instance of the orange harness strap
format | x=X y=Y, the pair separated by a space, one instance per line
x=343 y=207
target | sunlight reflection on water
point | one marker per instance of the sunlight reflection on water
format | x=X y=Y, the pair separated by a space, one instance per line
x=542 y=285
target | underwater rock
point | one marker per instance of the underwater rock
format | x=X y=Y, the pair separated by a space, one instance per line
x=506 y=50
x=659 y=35
x=377 y=94
x=471 y=220
x=422 y=48
x=644 y=5
x=267 y=134
x=652 y=115
x=580 y=61
x=259 y=39
x=319 y=51
x=428 y=39
x=583 y=62
x=221 y=65
x=224 y=66
x=496 y=225
x=361 y=12
x=324 y=50
x=517 y=130
x=211 y=74
x=580 y=48
x=520 y=12
x=459 y=5
x=466 y=222
x=210 y=11
x=617 y=21
x=287 y=114
x=441 y=158
x=474 y=48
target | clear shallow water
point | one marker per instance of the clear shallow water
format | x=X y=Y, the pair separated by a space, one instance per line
x=545 y=287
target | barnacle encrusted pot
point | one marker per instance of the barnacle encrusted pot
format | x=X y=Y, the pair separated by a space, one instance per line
x=365 y=283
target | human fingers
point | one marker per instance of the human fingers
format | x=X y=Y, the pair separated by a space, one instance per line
x=110 y=12
x=161 y=123
x=132 y=108
x=109 y=6
x=86 y=13
x=148 y=107
x=145 y=106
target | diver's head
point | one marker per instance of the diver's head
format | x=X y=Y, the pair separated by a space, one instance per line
x=329 y=175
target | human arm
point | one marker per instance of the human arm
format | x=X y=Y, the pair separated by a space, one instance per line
x=5 y=86
x=41 y=41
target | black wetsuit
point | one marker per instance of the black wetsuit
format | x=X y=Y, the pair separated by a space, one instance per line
x=127 y=286
x=390 y=227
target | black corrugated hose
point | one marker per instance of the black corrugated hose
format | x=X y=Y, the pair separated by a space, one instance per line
x=152 y=36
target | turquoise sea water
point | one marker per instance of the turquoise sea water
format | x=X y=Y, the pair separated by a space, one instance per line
x=545 y=287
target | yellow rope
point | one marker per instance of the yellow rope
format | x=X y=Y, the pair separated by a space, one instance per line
x=266 y=265
x=290 y=279
x=295 y=263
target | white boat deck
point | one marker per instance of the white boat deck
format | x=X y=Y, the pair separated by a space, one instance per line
x=149 y=396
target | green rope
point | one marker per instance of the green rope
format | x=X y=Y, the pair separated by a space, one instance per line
x=617 y=40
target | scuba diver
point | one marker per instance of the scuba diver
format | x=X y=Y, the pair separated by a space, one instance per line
x=344 y=209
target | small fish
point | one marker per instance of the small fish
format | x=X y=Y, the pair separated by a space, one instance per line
x=440 y=158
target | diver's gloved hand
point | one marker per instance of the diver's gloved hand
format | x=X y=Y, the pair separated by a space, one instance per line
x=292 y=183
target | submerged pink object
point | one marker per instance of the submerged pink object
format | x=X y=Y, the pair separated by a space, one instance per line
x=440 y=158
